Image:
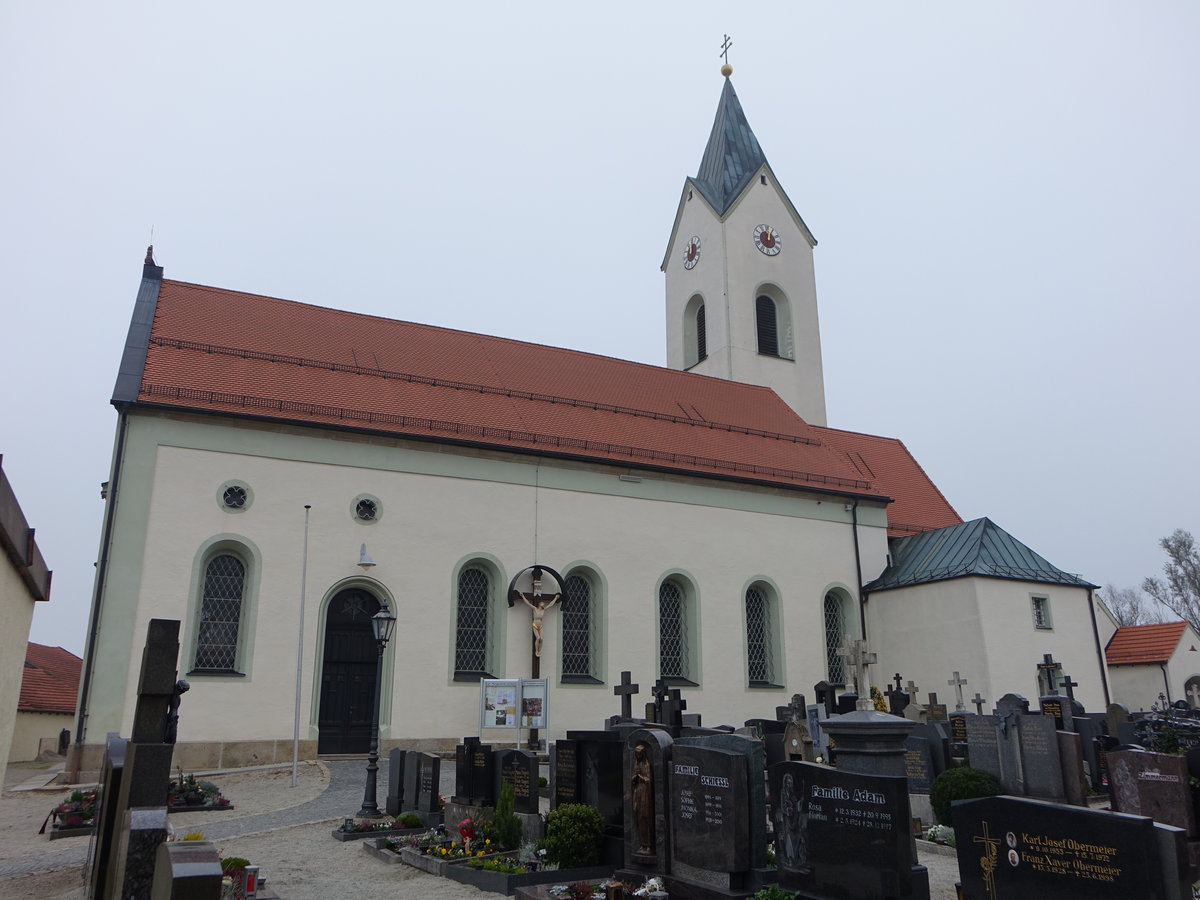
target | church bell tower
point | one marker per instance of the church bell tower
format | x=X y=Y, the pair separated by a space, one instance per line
x=741 y=293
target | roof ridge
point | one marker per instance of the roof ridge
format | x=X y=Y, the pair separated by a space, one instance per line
x=393 y=374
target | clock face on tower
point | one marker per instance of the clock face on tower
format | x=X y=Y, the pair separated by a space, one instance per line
x=767 y=240
x=691 y=255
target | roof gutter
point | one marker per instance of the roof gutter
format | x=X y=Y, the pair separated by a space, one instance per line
x=1100 y=650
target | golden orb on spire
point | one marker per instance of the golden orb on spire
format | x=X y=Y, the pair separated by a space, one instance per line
x=727 y=70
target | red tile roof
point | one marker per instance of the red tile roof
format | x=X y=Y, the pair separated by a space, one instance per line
x=224 y=351
x=51 y=680
x=1143 y=643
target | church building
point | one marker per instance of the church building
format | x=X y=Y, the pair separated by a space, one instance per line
x=282 y=471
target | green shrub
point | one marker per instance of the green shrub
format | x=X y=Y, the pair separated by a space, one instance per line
x=574 y=836
x=774 y=892
x=506 y=824
x=408 y=820
x=962 y=783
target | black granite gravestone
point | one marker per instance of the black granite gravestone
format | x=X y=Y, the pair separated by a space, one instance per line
x=918 y=764
x=708 y=816
x=395 y=794
x=826 y=696
x=518 y=768
x=429 y=778
x=100 y=849
x=564 y=772
x=1052 y=705
x=842 y=835
x=958 y=734
x=1016 y=847
x=473 y=773
x=599 y=761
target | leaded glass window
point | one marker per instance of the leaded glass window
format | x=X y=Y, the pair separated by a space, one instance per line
x=672 y=631
x=835 y=634
x=577 y=626
x=471 y=639
x=768 y=332
x=220 y=613
x=758 y=635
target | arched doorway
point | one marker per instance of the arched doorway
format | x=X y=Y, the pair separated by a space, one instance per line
x=348 y=674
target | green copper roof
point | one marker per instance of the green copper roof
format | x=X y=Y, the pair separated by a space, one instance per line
x=980 y=547
x=732 y=155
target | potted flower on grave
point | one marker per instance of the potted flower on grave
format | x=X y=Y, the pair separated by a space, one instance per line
x=75 y=815
x=234 y=867
x=466 y=830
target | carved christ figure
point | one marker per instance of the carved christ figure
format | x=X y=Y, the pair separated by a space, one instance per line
x=538 y=603
x=643 y=801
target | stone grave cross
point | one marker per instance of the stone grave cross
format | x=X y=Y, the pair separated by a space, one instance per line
x=957 y=683
x=672 y=709
x=978 y=701
x=858 y=658
x=625 y=690
x=911 y=688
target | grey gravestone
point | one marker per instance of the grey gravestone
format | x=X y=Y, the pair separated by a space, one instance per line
x=817 y=715
x=144 y=831
x=657 y=749
x=983 y=743
x=843 y=835
x=934 y=711
x=518 y=768
x=429 y=777
x=797 y=742
x=564 y=772
x=755 y=796
x=1041 y=764
x=1116 y=715
x=187 y=870
x=709 y=816
x=1154 y=785
x=1075 y=782
x=918 y=764
x=395 y=795
x=1089 y=729
x=1015 y=847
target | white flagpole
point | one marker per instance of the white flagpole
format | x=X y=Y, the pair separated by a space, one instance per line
x=300 y=653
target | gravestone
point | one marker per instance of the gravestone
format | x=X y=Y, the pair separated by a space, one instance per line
x=187 y=870
x=564 y=772
x=826 y=696
x=918 y=764
x=100 y=848
x=1089 y=729
x=820 y=741
x=847 y=703
x=518 y=768
x=844 y=835
x=427 y=782
x=1041 y=762
x=1117 y=715
x=395 y=794
x=983 y=742
x=1016 y=847
x=1154 y=785
x=958 y=734
x=934 y=711
x=600 y=768
x=797 y=739
x=709 y=817
x=139 y=814
x=1075 y=781
x=646 y=766
x=474 y=779
x=1053 y=706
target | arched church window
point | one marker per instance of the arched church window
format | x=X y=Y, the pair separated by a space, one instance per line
x=765 y=321
x=673 y=638
x=835 y=635
x=471 y=635
x=577 y=628
x=759 y=635
x=220 y=614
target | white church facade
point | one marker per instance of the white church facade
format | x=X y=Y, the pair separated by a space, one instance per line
x=711 y=530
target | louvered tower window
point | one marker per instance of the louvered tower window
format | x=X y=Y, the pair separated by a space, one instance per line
x=577 y=627
x=758 y=636
x=768 y=330
x=701 y=336
x=220 y=614
x=672 y=631
x=835 y=634
x=471 y=638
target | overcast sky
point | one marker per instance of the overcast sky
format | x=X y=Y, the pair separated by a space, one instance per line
x=1005 y=196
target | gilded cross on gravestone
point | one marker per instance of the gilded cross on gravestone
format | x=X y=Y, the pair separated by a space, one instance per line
x=625 y=690
x=957 y=682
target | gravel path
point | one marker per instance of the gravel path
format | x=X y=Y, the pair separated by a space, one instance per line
x=284 y=829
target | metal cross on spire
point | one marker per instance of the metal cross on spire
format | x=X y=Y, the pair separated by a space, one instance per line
x=725 y=48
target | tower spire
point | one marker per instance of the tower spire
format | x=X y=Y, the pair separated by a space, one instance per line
x=732 y=154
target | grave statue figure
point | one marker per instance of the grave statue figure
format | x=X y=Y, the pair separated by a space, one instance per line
x=791 y=825
x=172 y=724
x=643 y=800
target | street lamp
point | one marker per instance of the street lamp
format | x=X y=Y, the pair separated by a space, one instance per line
x=382 y=624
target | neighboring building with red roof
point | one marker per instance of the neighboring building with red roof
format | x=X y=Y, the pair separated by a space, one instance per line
x=709 y=528
x=49 y=687
x=1145 y=661
x=24 y=581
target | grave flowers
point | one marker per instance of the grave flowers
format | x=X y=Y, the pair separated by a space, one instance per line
x=185 y=792
x=74 y=816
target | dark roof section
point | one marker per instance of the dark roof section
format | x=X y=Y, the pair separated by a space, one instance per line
x=732 y=155
x=976 y=548
x=137 y=342
x=50 y=681
x=17 y=543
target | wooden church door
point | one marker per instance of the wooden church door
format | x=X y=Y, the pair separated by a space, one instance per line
x=348 y=674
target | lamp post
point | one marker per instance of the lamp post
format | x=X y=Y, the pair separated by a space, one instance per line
x=381 y=624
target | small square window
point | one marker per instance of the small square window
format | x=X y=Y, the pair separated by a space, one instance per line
x=1041 y=613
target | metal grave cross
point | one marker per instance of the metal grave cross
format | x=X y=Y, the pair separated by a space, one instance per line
x=978 y=701
x=957 y=682
x=896 y=678
x=1070 y=685
x=625 y=690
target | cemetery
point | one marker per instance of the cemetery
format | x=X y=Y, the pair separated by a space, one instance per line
x=841 y=798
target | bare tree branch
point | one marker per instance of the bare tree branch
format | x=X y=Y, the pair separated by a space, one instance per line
x=1129 y=606
x=1180 y=590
